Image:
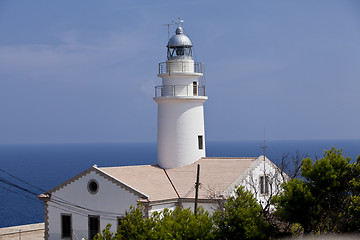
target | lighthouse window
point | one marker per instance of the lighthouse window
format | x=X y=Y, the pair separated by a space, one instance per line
x=200 y=142
x=180 y=51
x=195 y=89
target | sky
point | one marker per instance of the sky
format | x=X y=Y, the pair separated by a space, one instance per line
x=85 y=71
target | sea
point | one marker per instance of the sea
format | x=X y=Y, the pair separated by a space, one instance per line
x=30 y=169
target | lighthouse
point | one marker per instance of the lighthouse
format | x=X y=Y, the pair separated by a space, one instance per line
x=180 y=99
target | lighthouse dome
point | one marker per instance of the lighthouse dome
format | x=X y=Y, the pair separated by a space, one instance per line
x=179 y=39
x=179 y=45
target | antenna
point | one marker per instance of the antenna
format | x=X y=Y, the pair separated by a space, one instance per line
x=264 y=145
x=264 y=149
x=168 y=25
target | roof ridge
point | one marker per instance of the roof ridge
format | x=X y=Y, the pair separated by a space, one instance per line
x=228 y=158
x=151 y=165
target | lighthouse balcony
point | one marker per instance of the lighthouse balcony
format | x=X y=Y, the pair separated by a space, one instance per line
x=181 y=66
x=179 y=90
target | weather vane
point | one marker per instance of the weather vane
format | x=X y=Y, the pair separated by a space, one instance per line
x=178 y=22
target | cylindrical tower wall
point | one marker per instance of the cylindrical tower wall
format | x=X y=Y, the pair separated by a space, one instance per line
x=180 y=65
x=180 y=86
x=180 y=128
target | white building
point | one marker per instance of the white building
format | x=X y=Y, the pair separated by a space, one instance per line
x=83 y=205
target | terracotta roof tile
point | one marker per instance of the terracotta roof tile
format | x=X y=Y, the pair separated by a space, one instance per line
x=216 y=174
x=148 y=179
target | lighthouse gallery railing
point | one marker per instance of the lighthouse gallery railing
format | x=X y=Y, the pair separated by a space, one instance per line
x=179 y=90
x=168 y=67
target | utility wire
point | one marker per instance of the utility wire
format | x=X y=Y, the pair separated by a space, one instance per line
x=56 y=200
x=22 y=180
x=19 y=194
x=16 y=186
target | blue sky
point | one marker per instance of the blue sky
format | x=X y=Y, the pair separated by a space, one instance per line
x=85 y=71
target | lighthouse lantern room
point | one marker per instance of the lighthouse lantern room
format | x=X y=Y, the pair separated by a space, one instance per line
x=180 y=99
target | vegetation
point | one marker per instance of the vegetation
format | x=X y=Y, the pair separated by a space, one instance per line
x=240 y=218
x=324 y=199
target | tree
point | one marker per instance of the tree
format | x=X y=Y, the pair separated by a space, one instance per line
x=326 y=199
x=133 y=226
x=177 y=224
x=182 y=224
x=106 y=234
x=240 y=218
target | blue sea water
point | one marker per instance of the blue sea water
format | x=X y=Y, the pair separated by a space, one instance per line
x=47 y=165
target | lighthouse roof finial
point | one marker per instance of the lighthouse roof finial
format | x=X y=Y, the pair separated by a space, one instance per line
x=179 y=29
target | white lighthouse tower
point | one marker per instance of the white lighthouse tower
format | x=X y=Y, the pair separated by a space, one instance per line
x=180 y=99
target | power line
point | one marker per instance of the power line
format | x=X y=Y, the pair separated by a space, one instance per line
x=22 y=180
x=16 y=186
x=20 y=194
x=54 y=199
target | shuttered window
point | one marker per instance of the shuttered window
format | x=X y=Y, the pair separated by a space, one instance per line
x=264 y=185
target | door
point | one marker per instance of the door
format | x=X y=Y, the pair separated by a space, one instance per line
x=94 y=226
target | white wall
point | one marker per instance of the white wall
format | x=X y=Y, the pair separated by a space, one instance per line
x=180 y=121
x=161 y=207
x=109 y=198
x=210 y=207
x=252 y=180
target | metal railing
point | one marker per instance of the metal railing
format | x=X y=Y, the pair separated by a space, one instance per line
x=168 y=67
x=179 y=90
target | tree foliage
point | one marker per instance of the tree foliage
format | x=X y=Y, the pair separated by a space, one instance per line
x=135 y=226
x=132 y=226
x=182 y=224
x=177 y=224
x=326 y=199
x=240 y=218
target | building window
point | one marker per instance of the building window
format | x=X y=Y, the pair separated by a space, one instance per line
x=94 y=226
x=264 y=185
x=93 y=186
x=65 y=226
x=200 y=142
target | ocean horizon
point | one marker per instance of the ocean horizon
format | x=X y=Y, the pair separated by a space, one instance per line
x=44 y=166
